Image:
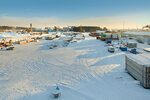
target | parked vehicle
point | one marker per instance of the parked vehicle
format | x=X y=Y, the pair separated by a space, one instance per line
x=109 y=36
x=98 y=37
x=133 y=51
x=10 y=48
x=123 y=48
x=111 y=49
x=93 y=34
x=108 y=41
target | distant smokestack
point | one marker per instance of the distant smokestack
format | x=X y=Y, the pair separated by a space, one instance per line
x=31 y=27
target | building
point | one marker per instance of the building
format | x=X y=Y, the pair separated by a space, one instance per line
x=85 y=28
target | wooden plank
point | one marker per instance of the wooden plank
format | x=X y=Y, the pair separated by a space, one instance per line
x=31 y=40
x=22 y=42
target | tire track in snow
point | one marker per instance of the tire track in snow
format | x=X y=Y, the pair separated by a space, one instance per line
x=95 y=60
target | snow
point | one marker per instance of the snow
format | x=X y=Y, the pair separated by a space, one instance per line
x=83 y=70
x=17 y=36
x=143 y=59
x=13 y=36
x=147 y=49
x=98 y=31
x=138 y=33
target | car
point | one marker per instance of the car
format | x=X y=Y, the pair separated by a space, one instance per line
x=10 y=48
x=98 y=37
x=111 y=49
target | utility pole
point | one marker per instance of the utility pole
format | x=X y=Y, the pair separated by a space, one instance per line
x=31 y=28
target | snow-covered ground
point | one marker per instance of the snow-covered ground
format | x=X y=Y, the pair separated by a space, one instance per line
x=13 y=36
x=18 y=36
x=138 y=33
x=83 y=70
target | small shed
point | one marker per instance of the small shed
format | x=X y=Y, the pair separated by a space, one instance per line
x=132 y=45
x=138 y=66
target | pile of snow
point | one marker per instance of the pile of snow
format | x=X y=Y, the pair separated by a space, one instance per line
x=147 y=49
x=79 y=37
x=61 y=42
x=66 y=38
x=14 y=36
x=58 y=34
x=18 y=36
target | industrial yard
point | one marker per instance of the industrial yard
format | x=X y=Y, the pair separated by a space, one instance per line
x=83 y=69
x=74 y=50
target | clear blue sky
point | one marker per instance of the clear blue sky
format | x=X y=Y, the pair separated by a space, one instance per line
x=72 y=9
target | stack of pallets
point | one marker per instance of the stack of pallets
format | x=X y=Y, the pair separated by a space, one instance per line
x=138 y=66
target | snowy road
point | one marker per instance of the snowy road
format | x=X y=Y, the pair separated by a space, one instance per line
x=83 y=70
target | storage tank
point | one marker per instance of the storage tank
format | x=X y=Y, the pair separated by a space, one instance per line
x=103 y=35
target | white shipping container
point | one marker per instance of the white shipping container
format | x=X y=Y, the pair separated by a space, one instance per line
x=114 y=36
x=108 y=35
